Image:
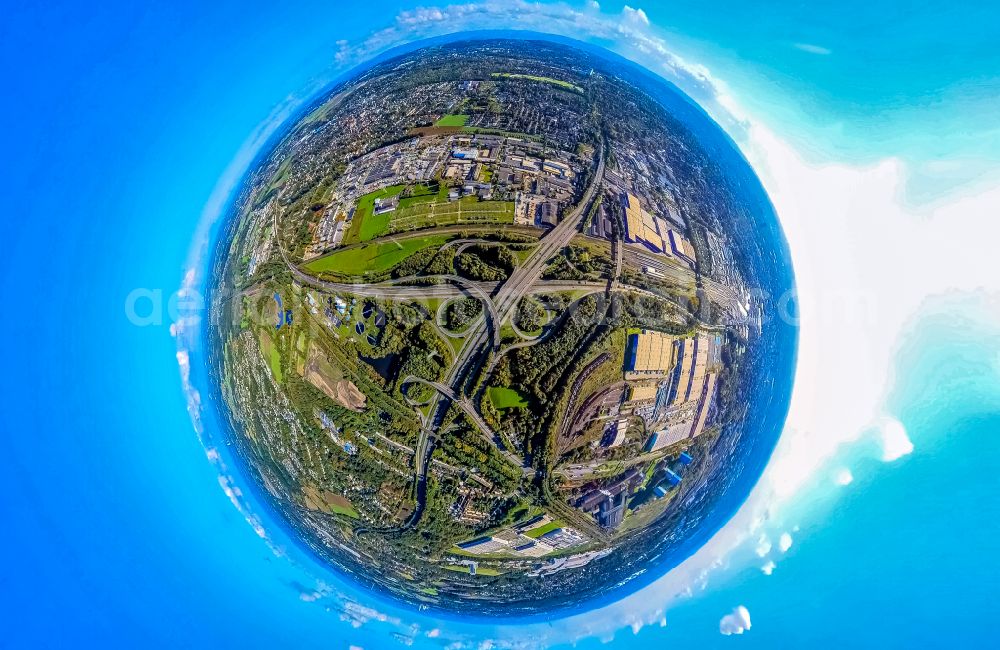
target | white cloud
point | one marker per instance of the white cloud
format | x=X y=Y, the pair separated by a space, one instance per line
x=812 y=49
x=784 y=542
x=895 y=442
x=635 y=15
x=843 y=477
x=736 y=622
x=763 y=545
x=768 y=567
x=421 y=16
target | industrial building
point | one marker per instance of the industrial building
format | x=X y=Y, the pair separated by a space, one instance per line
x=669 y=436
x=485 y=545
x=614 y=436
x=689 y=377
x=640 y=226
x=533 y=549
x=561 y=538
x=386 y=205
x=708 y=393
x=642 y=393
x=690 y=426
x=516 y=541
x=680 y=246
x=650 y=353
x=608 y=504
x=465 y=153
x=653 y=232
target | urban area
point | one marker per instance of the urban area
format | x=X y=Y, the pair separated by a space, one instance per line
x=481 y=322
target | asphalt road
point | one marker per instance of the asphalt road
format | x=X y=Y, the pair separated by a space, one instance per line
x=504 y=301
x=465 y=404
x=483 y=337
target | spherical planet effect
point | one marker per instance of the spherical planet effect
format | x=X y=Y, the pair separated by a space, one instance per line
x=494 y=325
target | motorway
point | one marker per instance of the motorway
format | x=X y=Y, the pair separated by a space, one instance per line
x=500 y=299
x=523 y=280
x=485 y=431
x=447 y=286
x=504 y=301
x=525 y=275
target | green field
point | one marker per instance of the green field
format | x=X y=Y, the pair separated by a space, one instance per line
x=524 y=253
x=281 y=175
x=347 y=511
x=541 y=530
x=452 y=120
x=365 y=225
x=424 y=194
x=429 y=210
x=374 y=257
x=424 y=206
x=326 y=501
x=506 y=398
x=274 y=360
x=549 y=80
x=648 y=474
x=506 y=134
x=480 y=571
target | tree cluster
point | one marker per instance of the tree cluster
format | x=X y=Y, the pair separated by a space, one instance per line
x=486 y=263
x=530 y=315
x=459 y=313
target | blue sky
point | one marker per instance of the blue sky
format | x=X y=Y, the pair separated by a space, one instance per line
x=871 y=126
x=900 y=68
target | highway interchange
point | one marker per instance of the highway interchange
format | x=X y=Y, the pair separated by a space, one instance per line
x=500 y=299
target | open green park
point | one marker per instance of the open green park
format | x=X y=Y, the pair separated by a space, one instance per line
x=367 y=225
x=506 y=398
x=535 y=533
x=466 y=210
x=548 y=80
x=452 y=120
x=374 y=257
x=423 y=206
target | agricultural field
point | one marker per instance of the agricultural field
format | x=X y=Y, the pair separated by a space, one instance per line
x=325 y=500
x=272 y=355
